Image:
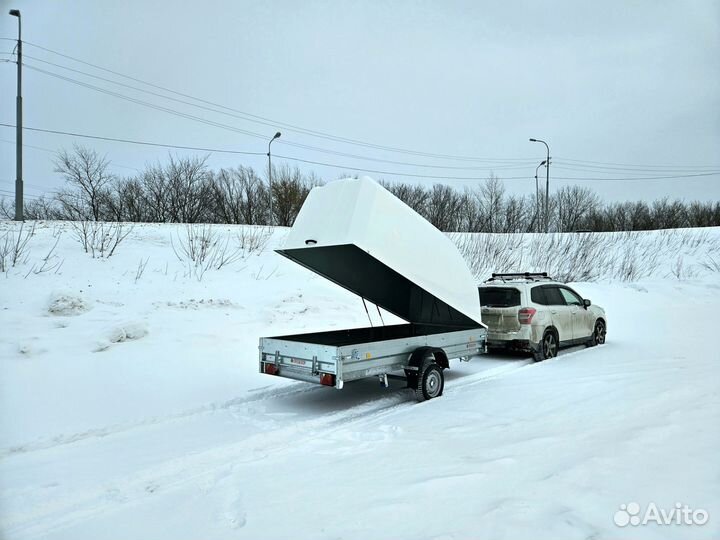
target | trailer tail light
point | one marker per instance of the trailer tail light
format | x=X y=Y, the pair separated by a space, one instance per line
x=526 y=314
x=327 y=379
x=271 y=369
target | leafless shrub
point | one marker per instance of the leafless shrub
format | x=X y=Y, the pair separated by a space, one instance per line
x=623 y=256
x=200 y=249
x=487 y=253
x=253 y=239
x=568 y=257
x=680 y=270
x=50 y=262
x=259 y=276
x=711 y=263
x=14 y=246
x=99 y=238
x=140 y=270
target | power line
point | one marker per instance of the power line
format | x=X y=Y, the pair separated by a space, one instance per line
x=147 y=104
x=564 y=164
x=299 y=129
x=581 y=178
x=350 y=168
x=129 y=141
x=35 y=187
x=6 y=193
x=638 y=174
x=30 y=146
x=215 y=110
x=275 y=123
x=253 y=134
x=49 y=151
x=653 y=166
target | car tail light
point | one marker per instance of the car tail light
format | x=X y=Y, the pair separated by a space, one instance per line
x=526 y=314
x=271 y=369
x=327 y=379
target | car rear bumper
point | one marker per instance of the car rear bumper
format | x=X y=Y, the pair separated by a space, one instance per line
x=513 y=345
x=522 y=340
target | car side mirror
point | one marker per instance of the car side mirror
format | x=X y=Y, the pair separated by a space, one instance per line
x=586 y=303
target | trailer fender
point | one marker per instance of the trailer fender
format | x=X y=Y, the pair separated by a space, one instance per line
x=417 y=358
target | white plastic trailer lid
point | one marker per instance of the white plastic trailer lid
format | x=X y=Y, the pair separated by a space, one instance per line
x=357 y=234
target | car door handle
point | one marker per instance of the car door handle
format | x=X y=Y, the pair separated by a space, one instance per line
x=553 y=312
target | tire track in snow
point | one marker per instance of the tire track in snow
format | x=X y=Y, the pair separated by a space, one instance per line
x=98 y=433
x=210 y=466
x=206 y=467
x=280 y=393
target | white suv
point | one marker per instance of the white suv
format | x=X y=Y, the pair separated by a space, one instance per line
x=534 y=313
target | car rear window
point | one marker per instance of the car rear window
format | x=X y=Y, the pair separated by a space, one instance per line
x=499 y=296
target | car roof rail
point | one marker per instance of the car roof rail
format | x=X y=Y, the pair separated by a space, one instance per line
x=521 y=276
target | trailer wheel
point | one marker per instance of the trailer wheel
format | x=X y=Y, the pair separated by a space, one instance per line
x=430 y=381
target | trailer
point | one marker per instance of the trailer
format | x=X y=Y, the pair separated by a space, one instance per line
x=358 y=235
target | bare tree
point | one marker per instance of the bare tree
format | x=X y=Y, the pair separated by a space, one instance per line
x=87 y=173
x=490 y=197
x=289 y=191
x=42 y=208
x=516 y=211
x=239 y=196
x=444 y=204
x=572 y=205
x=416 y=197
x=470 y=216
x=188 y=189
x=154 y=194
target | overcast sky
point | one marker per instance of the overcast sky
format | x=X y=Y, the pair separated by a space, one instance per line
x=627 y=83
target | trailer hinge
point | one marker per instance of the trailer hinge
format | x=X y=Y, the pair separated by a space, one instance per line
x=314 y=366
x=277 y=358
x=355 y=354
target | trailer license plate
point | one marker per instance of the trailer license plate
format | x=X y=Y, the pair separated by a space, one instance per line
x=297 y=361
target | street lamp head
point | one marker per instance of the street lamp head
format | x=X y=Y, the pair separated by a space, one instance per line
x=533 y=140
x=543 y=162
x=277 y=135
x=15 y=12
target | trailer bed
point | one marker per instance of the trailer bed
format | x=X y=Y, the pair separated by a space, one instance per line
x=338 y=356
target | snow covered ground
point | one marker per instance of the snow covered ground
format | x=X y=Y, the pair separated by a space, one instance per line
x=131 y=407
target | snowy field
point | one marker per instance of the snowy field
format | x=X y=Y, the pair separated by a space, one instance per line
x=131 y=406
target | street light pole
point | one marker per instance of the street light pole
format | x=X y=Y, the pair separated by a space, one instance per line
x=18 y=124
x=537 y=197
x=547 y=184
x=272 y=215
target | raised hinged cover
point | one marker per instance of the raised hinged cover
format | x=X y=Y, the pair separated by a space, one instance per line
x=357 y=234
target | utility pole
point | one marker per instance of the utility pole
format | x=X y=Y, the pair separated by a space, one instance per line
x=272 y=215
x=537 y=198
x=547 y=184
x=18 y=124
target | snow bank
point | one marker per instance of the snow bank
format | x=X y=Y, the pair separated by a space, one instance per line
x=169 y=431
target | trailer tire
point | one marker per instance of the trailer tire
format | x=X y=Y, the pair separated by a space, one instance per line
x=430 y=381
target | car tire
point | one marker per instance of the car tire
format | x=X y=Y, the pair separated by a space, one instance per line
x=598 y=335
x=548 y=347
x=430 y=381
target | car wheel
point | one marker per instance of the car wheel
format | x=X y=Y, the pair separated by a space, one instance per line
x=598 y=335
x=548 y=347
